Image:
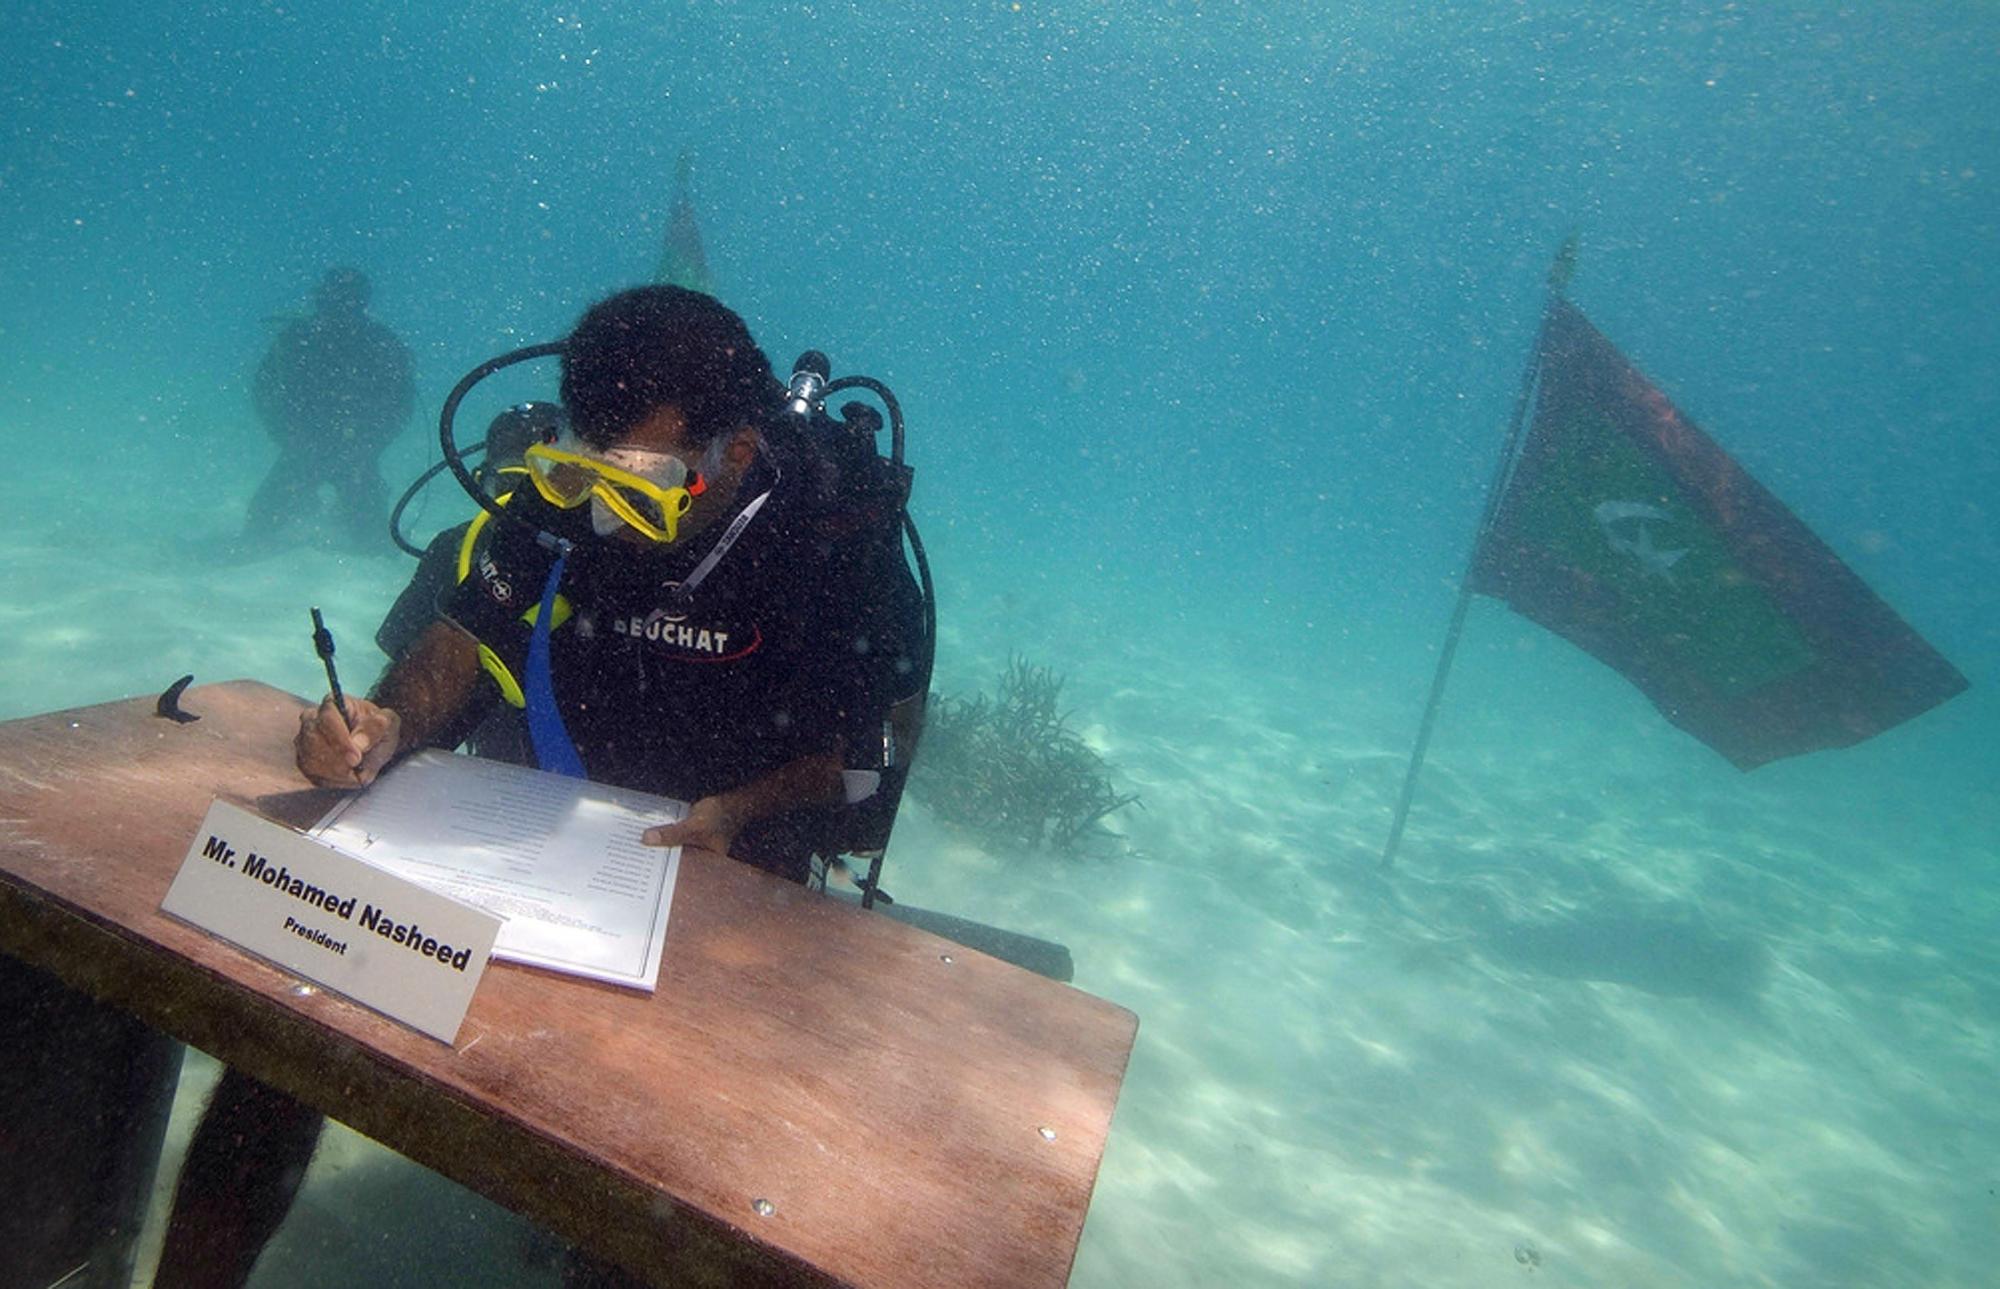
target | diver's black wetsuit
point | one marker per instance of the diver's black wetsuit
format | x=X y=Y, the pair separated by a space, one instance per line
x=333 y=391
x=416 y=606
x=496 y=730
x=771 y=658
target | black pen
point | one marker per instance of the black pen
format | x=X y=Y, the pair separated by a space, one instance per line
x=323 y=642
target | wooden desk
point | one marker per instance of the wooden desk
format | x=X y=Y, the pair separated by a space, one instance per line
x=882 y=1090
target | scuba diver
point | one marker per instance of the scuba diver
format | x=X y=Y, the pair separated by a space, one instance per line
x=717 y=640
x=334 y=389
x=697 y=589
x=683 y=262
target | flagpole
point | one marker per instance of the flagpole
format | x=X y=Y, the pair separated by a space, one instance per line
x=1558 y=282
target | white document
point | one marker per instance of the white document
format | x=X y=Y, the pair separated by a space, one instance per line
x=559 y=858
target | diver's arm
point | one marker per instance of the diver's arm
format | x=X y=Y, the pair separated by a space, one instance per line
x=267 y=390
x=713 y=822
x=430 y=684
x=405 y=384
x=418 y=698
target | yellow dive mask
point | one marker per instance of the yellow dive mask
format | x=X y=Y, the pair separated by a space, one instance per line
x=648 y=492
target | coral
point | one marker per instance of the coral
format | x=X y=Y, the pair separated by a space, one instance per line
x=1010 y=769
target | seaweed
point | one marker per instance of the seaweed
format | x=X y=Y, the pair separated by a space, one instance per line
x=1010 y=769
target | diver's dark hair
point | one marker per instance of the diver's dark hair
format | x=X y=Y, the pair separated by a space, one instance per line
x=652 y=346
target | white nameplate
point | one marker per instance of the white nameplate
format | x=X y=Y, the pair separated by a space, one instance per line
x=410 y=953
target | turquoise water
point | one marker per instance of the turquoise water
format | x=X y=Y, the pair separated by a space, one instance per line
x=1207 y=319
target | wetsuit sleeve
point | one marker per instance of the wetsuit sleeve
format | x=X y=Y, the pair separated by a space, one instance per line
x=404 y=384
x=277 y=375
x=417 y=606
x=264 y=388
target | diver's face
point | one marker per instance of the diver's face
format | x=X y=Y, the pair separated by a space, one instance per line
x=666 y=430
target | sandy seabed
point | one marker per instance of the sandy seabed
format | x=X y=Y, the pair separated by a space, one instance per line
x=1618 y=1017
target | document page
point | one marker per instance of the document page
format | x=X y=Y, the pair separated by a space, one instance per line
x=559 y=858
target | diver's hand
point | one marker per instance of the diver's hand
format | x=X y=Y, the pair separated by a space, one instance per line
x=710 y=824
x=334 y=754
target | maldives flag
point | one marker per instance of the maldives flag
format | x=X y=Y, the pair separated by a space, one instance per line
x=1626 y=530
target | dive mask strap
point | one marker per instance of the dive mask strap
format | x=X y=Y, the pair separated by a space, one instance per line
x=554 y=750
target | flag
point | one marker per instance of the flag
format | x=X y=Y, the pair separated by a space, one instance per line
x=683 y=262
x=1626 y=530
